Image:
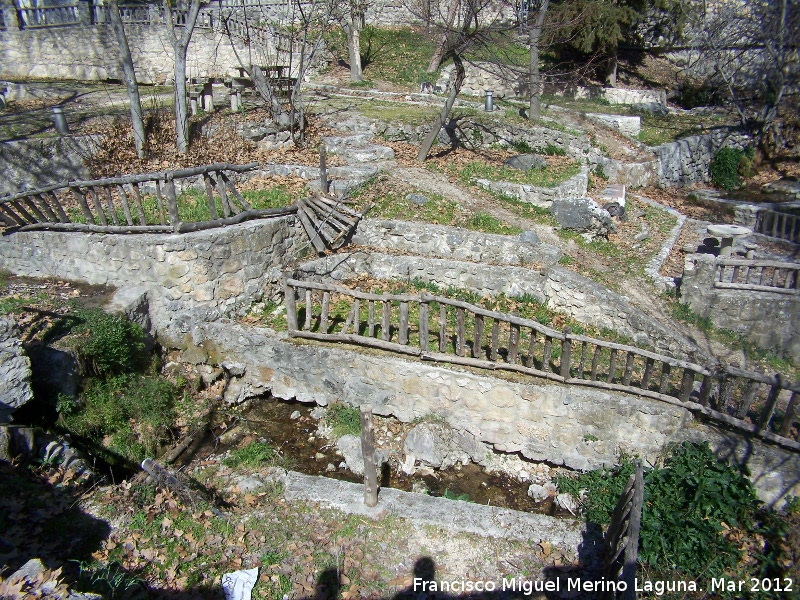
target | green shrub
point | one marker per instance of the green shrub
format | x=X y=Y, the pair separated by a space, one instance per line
x=689 y=505
x=343 y=419
x=255 y=454
x=108 y=344
x=729 y=166
x=132 y=414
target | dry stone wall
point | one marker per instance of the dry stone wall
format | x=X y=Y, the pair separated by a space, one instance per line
x=770 y=320
x=221 y=270
x=686 y=161
x=89 y=52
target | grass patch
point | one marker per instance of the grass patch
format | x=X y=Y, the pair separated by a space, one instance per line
x=343 y=419
x=550 y=176
x=253 y=455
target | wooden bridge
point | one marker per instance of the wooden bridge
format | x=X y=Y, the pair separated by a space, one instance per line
x=440 y=329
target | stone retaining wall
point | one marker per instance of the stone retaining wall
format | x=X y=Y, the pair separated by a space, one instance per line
x=562 y=290
x=38 y=162
x=581 y=428
x=649 y=99
x=90 y=52
x=772 y=321
x=574 y=187
x=456 y=243
x=222 y=269
x=686 y=161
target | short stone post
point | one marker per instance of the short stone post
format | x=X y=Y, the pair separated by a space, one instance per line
x=193 y=95
x=208 y=97
x=368 y=452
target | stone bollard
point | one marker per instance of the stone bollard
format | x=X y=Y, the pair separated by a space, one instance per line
x=60 y=121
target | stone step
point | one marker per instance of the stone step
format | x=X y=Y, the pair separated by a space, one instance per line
x=335 y=144
x=366 y=154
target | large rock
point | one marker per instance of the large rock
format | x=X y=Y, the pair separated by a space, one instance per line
x=349 y=447
x=15 y=371
x=526 y=162
x=435 y=445
x=583 y=215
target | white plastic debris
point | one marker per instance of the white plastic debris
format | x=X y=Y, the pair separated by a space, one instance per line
x=239 y=584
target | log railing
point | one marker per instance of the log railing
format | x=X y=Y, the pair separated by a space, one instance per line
x=779 y=225
x=143 y=203
x=758 y=275
x=445 y=330
x=49 y=16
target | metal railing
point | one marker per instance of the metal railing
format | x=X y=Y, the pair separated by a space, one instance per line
x=441 y=329
x=758 y=276
x=143 y=203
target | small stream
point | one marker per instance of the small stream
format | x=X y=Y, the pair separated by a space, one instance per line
x=305 y=451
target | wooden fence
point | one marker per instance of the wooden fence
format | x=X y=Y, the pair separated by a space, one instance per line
x=49 y=16
x=116 y=205
x=621 y=541
x=758 y=275
x=779 y=225
x=445 y=330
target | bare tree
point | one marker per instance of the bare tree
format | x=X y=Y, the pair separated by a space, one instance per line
x=753 y=51
x=180 y=46
x=353 y=20
x=535 y=25
x=130 y=78
x=436 y=59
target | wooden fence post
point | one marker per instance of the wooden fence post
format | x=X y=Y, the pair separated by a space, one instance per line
x=566 y=352
x=291 y=308
x=368 y=452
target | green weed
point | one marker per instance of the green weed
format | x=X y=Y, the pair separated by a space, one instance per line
x=254 y=455
x=108 y=344
x=343 y=419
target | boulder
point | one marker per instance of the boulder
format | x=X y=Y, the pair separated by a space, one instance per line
x=526 y=162
x=583 y=215
x=349 y=447
x=15 y=371
x=435 y=445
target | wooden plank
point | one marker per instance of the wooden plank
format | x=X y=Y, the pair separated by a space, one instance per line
x=307 y=324
x=495 y=349
x=582 y=362
x=612 y=366
x=356 y=317
x=513 y=343
x=386 y=324
x=788 y=416
x=769 y=409
x=460 y=332
x=29 y=218
x=51 y=216
x=212 y=206
x=648 y=373
x=371 y=318
x=291 y=307
x=754 y=288
x=664 y=383
x=442 y=328
x=87 y=212
x=59 y=209
x=595 y=361
x=548 y=349
x=323 y=170
x=626 y=378
x=531 y=349
x=236 y=193
x=38 y=215
x=137 y=198
x=368 y=454
x=125 y=208
x=705 y=390
x=160 y=199
x=227 y=206
x=239 y=218
x=634 y=528
x=101 y=215
x=172 y=203
x=403 y=334
x=424 y=336
x=566 y=354
x=477 y=341
x=323 y=319
x=313 y=235
x=10 y=214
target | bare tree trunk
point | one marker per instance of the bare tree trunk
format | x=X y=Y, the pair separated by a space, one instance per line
x=611 y=71
x=126 y=61
x=180 y=46
x=436 y=59
x=535 y=78
x=427 y=143
x=353 y=31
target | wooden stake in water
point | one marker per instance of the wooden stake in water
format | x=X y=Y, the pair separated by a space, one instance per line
x=368 y=452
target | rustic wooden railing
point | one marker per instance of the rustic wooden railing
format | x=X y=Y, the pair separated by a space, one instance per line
x=49 y=16
x=621 y=541
x=456 y=332
x=115 y=205
x=758 y=275
x=779 y=225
